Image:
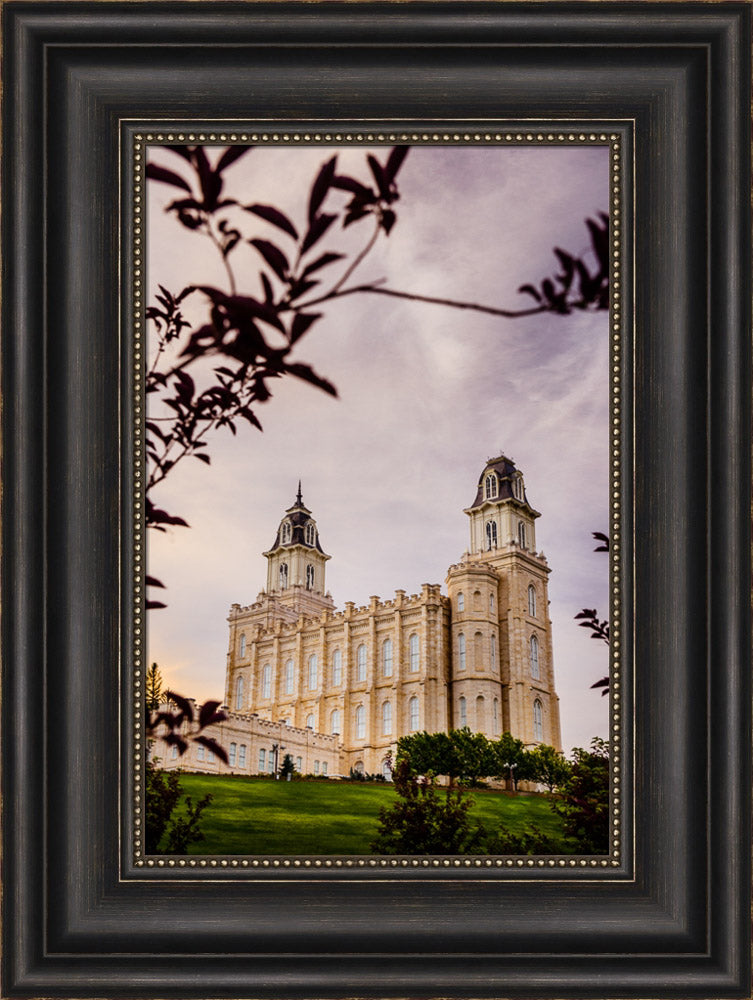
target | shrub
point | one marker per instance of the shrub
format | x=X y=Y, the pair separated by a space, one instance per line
x=584 y=800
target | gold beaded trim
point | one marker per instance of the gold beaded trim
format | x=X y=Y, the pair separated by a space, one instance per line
x=570 y=134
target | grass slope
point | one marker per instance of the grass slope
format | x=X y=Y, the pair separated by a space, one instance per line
x=257 y=816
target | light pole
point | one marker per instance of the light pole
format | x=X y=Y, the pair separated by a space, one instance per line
x=512 y=774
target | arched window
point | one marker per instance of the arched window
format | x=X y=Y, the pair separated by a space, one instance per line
x=312 y=672
x=538 y=721
x=361 y=663
x=387 y=769
x=309 y=577
x=324 y=767
x=494 y=652
x=316 y=767
x=283 y=576
x=360 y=723
x=337 y=668
x=534 y=644
x=491 y=602
x=387 y=718
x=495 y=715
x=242 y=650
x=358 y=767
x=461 y=601
x=462 y=713
x=413 y=643
x=266 y=682
x=289 y=677
x=173 y=753
x=517 y=487
x=287 y=532
x=200 y=754
x=232 y=753
x=413 y=714
x=522 y=534
x=242 y=755
x=531 y=600
x=334 y=722
x=491 y=535
x=480 y=714
x=387 y=657
x=310 y=533
x=478 y=651
x=239 y=694
x=299 y=764
x=262 y=759
x=461 y=652
x=490 y=486
x=310 y=720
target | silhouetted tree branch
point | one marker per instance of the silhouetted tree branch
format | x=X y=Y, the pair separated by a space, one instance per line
x=590 y=618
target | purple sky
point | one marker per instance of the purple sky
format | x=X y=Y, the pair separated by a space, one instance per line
x=426 y=395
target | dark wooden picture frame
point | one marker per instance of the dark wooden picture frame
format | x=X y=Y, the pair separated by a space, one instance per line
x=78 y=919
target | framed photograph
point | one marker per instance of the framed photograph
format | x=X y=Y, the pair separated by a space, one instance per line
x=329 y=331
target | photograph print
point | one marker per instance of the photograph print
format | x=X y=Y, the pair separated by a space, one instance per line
x=377 y=488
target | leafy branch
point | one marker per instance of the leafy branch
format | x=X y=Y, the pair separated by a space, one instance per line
x=590 y=617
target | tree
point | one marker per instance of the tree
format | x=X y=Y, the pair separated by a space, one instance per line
x=590 y=616
x=163 y=793
x=584 y=800
x=153 y=688
x=548 y=766
x=252 y=331
x=512 y=760
x=287 y=767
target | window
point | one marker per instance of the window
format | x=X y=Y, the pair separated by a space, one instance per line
x=413 y=714
x=495 y=715
x=360 y=723
x=532 y=600
x=491 y=602
x=386 y=769
x=199 y=753
x=210 y=755
x=324 y=767
x=283 y=576
x=242 y=650
x=461 y=602
x=316 y=767
x=232 y=753
x=413 y=653
x=517 y=487
x=266 y=682
x=480 y=713
x=521 y=534
x=361 y=663
x=337 y=668
x=299 y=764
x=334 y=722
x=494 y=652
x=271 y=763
x=287 y=532
x=242 y=755
x=262 y=759
x=310 y=720
x=490 y=486
x=538 y=721
x=358 y=767
x=387 y=657
x=239 y=694
x=310 y=533
x=289 y=676
x=312 y=672
x=462 y=713
x=534 y=644
x=491 y=535
x=461 y=652
x=387 y=718
x=478 y=651
x=309 y=577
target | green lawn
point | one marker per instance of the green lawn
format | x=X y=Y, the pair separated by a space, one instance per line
x=257 y=816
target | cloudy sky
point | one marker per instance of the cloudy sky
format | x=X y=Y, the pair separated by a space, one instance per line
x=426 y=395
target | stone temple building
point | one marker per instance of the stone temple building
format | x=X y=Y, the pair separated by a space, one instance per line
x=336 y=688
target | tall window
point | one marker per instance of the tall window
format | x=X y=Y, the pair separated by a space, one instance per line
x=461 y=652
x=337 y=668
x=262 y=759
x=312 y=672
x=494 y=652
x=538 y=721
x=310 y=533
x=310 y=720
x=387 y=718
x=287 y=532
x=491 y=535
x=316 y=767
x=495 y=715
x=360 y=723
x=232 y=752
x=266 y=682
x=532 y=600
x=461 y=601
x=386 y=769
x=462 y=712
x=534 y=657
x=289 y=677
x=517 y=487
x=480 y=713
x=242 y=755
x=490 y=486
x=387 y=657
x=309 y=577
x=242 y=650
x=478 y=651
x=324 y=767
x=200 y=753
x=522 y=534
x=173 y=753
x=491 y=602
x=413 y=714
x=239 y=694
x=361 y=663
x=299 y=764
x=413 y=645
x=334 y=721
x=283 y=576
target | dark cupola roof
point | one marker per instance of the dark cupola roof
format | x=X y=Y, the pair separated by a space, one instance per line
x=298 y=517
x=505 y=470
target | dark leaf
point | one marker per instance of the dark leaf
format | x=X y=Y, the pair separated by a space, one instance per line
x=300 y=288
x=202 y=457
x=308 y=374
x=269 y=296
x=301 y=323
x=212 y=745
x=207 y=711
x=317 y=229
x=323 y=261
x=183 y=704
x=395 y=161
x=182 y=203
x=155 y=605
x=211 y=182
x=273 y=256
x=381 y=178
x=152 y=581
x=231 y=154
x=157 y=173
x=275 y=216
x=320 y=187
x=388 y=221
x=173 y=740
x=601 y=537
x=600 y=242
x=364 y=193
x=530 y=290
x=184 y=151
x=249 y=416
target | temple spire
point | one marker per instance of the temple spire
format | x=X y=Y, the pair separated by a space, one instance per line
x=299 y=497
